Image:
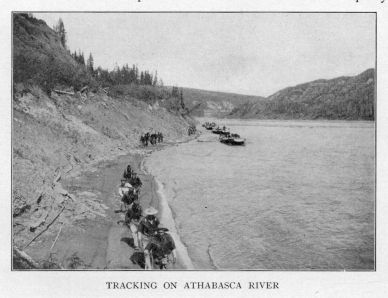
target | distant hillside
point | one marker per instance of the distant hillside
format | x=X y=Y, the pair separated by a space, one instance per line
x=213 y=103
x=349 y=98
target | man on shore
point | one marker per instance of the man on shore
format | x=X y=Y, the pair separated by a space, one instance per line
x=124 y=190
x=163 y=250
x=132 y=220
x=128 y=173
x=148 y=226
x=135 y=181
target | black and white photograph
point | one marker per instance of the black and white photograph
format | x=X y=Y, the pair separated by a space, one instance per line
x=194 y=141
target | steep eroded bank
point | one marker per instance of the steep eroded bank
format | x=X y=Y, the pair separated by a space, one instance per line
x=61 y=137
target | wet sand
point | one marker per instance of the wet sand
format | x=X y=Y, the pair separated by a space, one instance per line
x=103 y=242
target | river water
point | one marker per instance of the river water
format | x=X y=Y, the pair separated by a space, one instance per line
x=299 y=196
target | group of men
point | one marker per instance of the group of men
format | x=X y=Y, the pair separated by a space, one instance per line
x=192 y=130
x=157 y=245
x=151 y=138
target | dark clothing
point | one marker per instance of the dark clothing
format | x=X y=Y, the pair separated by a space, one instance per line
x=133 y=213
x=129 y=197
x=161 y=246
x=147 y=227
x=128 y=173
x=136 y=182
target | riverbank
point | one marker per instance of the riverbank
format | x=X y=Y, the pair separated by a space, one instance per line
x=61 y=138
x=120 y=242
x=167 y=219
x=102 y=241
x=120 y=253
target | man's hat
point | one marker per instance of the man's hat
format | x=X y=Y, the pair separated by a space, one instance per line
x=128 y=185
x=150 y=211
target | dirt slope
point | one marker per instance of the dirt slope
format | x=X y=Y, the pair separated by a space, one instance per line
x=59 y=137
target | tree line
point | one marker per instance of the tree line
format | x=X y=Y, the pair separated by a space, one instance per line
x=118 y=76
x=41 y=57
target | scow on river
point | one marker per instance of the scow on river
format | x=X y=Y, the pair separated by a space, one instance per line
x=300 y=195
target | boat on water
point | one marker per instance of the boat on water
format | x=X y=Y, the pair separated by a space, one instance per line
x=232 y=139
x=220 y=131
x=209 y=126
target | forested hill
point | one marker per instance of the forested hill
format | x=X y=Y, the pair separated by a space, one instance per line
x=350 y=98
x=213 y=103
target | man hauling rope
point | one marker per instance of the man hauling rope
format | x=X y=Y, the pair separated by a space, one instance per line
x=127 y=194
x=135 y=181
x=132 y=220
x=128 y=173
x=148 y=226
x=160 y=251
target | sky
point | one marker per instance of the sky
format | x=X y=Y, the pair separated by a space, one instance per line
x=247 y=53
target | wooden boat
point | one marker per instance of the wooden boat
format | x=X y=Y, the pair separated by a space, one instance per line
x=237 y=141
x=232 y=139
x=220 y=131
x=209 y=126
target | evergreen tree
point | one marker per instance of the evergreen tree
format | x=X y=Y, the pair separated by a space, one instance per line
x=137 y=75
x=141 y=78
x=155 y=82
x=181 y=99
x=60 y=30
x=81 y=59
x=175 y=92
x=89 y=64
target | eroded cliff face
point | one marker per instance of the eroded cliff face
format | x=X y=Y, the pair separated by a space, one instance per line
x=59 y=136
x=64 y=124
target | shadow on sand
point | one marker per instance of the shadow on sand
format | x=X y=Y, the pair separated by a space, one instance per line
x=137 y=257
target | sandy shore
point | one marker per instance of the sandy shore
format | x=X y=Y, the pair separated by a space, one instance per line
x=95 y=238
x=166 y=218
x=151 y=195
x=104 y=242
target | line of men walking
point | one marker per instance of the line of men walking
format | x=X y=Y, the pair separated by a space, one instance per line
x=151 y=138
x=192 y=130
x=157 y=245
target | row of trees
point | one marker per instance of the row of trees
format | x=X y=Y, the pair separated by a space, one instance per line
x=51 y=68
x=119 y=76
x=126 y=75
x=59 y=28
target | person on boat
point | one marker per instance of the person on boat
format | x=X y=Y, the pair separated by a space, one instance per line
x=148 y=226
x=132 y=220
x=163 y=250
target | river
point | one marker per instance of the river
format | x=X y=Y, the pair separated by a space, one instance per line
x=299 y=196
